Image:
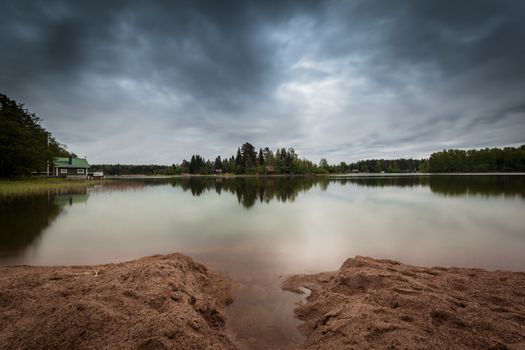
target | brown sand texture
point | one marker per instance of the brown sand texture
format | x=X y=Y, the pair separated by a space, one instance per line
x=172 y=302
x=383 y=304
x=158 y=302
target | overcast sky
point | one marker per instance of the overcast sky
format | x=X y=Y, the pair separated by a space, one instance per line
x=154 y=81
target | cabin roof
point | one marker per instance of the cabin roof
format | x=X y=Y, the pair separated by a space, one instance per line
x=63 y=162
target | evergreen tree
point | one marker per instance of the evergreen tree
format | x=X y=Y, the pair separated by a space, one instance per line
x=249 y=156
x=239 y=163
x=218 y=163
x=260 y=158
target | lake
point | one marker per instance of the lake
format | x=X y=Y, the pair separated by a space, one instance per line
x=260 y=230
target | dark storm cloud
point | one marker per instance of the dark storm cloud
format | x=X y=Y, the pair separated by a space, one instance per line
x=155 y=81
x=189 y=47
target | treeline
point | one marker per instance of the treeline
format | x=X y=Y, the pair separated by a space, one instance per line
x=25 y=146
x=508 y=159
x=248 y=160
x=381 y=165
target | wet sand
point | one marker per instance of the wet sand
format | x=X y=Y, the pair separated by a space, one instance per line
x=172 y=302
x=383 y=304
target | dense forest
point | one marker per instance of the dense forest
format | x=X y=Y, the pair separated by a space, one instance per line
x=25 y=146
x=383 y=165
x=508 y=159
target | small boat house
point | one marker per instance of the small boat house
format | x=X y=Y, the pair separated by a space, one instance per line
x=71 y=167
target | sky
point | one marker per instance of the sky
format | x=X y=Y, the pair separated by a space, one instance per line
x=156 y=81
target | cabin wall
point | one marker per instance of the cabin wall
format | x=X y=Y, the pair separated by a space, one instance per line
x=71 y=172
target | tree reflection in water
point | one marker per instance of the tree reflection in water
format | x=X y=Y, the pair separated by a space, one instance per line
x=23 y=219
x=250 y=190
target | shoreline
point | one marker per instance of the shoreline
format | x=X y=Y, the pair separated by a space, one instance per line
x=332 y=175
x=26 y=186
x=170 y=301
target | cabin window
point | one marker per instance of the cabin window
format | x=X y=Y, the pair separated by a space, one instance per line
x=80 y=171
x=63 y=171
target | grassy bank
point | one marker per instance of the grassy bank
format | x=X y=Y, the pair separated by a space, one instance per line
x=29 y=186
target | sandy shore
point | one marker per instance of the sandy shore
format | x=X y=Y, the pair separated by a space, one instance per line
x=158 y=302
x=172 y=302
x=381 y=304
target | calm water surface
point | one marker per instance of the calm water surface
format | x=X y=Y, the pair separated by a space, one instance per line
x=261 y=230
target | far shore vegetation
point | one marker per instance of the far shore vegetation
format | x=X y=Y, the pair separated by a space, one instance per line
x=26 y=147
x=248 y=161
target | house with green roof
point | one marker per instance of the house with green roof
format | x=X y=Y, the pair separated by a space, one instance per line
x=70 y=167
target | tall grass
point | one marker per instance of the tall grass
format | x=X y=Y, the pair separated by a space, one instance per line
x=30 y=186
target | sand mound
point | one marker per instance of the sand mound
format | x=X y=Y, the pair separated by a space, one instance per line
x=158 y=302
x=171 y=302
x=380 y=304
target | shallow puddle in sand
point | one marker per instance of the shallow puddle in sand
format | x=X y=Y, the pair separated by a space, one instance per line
x=262 y=317
x=262 y=314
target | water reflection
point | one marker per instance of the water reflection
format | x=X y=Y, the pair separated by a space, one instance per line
x=24 y=219
x=260 y=229
x=251 y=190
x=450 y=185
x=501 y=185
x=70 y=199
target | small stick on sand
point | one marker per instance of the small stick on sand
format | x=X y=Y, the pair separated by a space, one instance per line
x=95 y=272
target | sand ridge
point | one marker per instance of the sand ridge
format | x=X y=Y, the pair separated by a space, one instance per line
x=383 y=304
x=157 y=302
